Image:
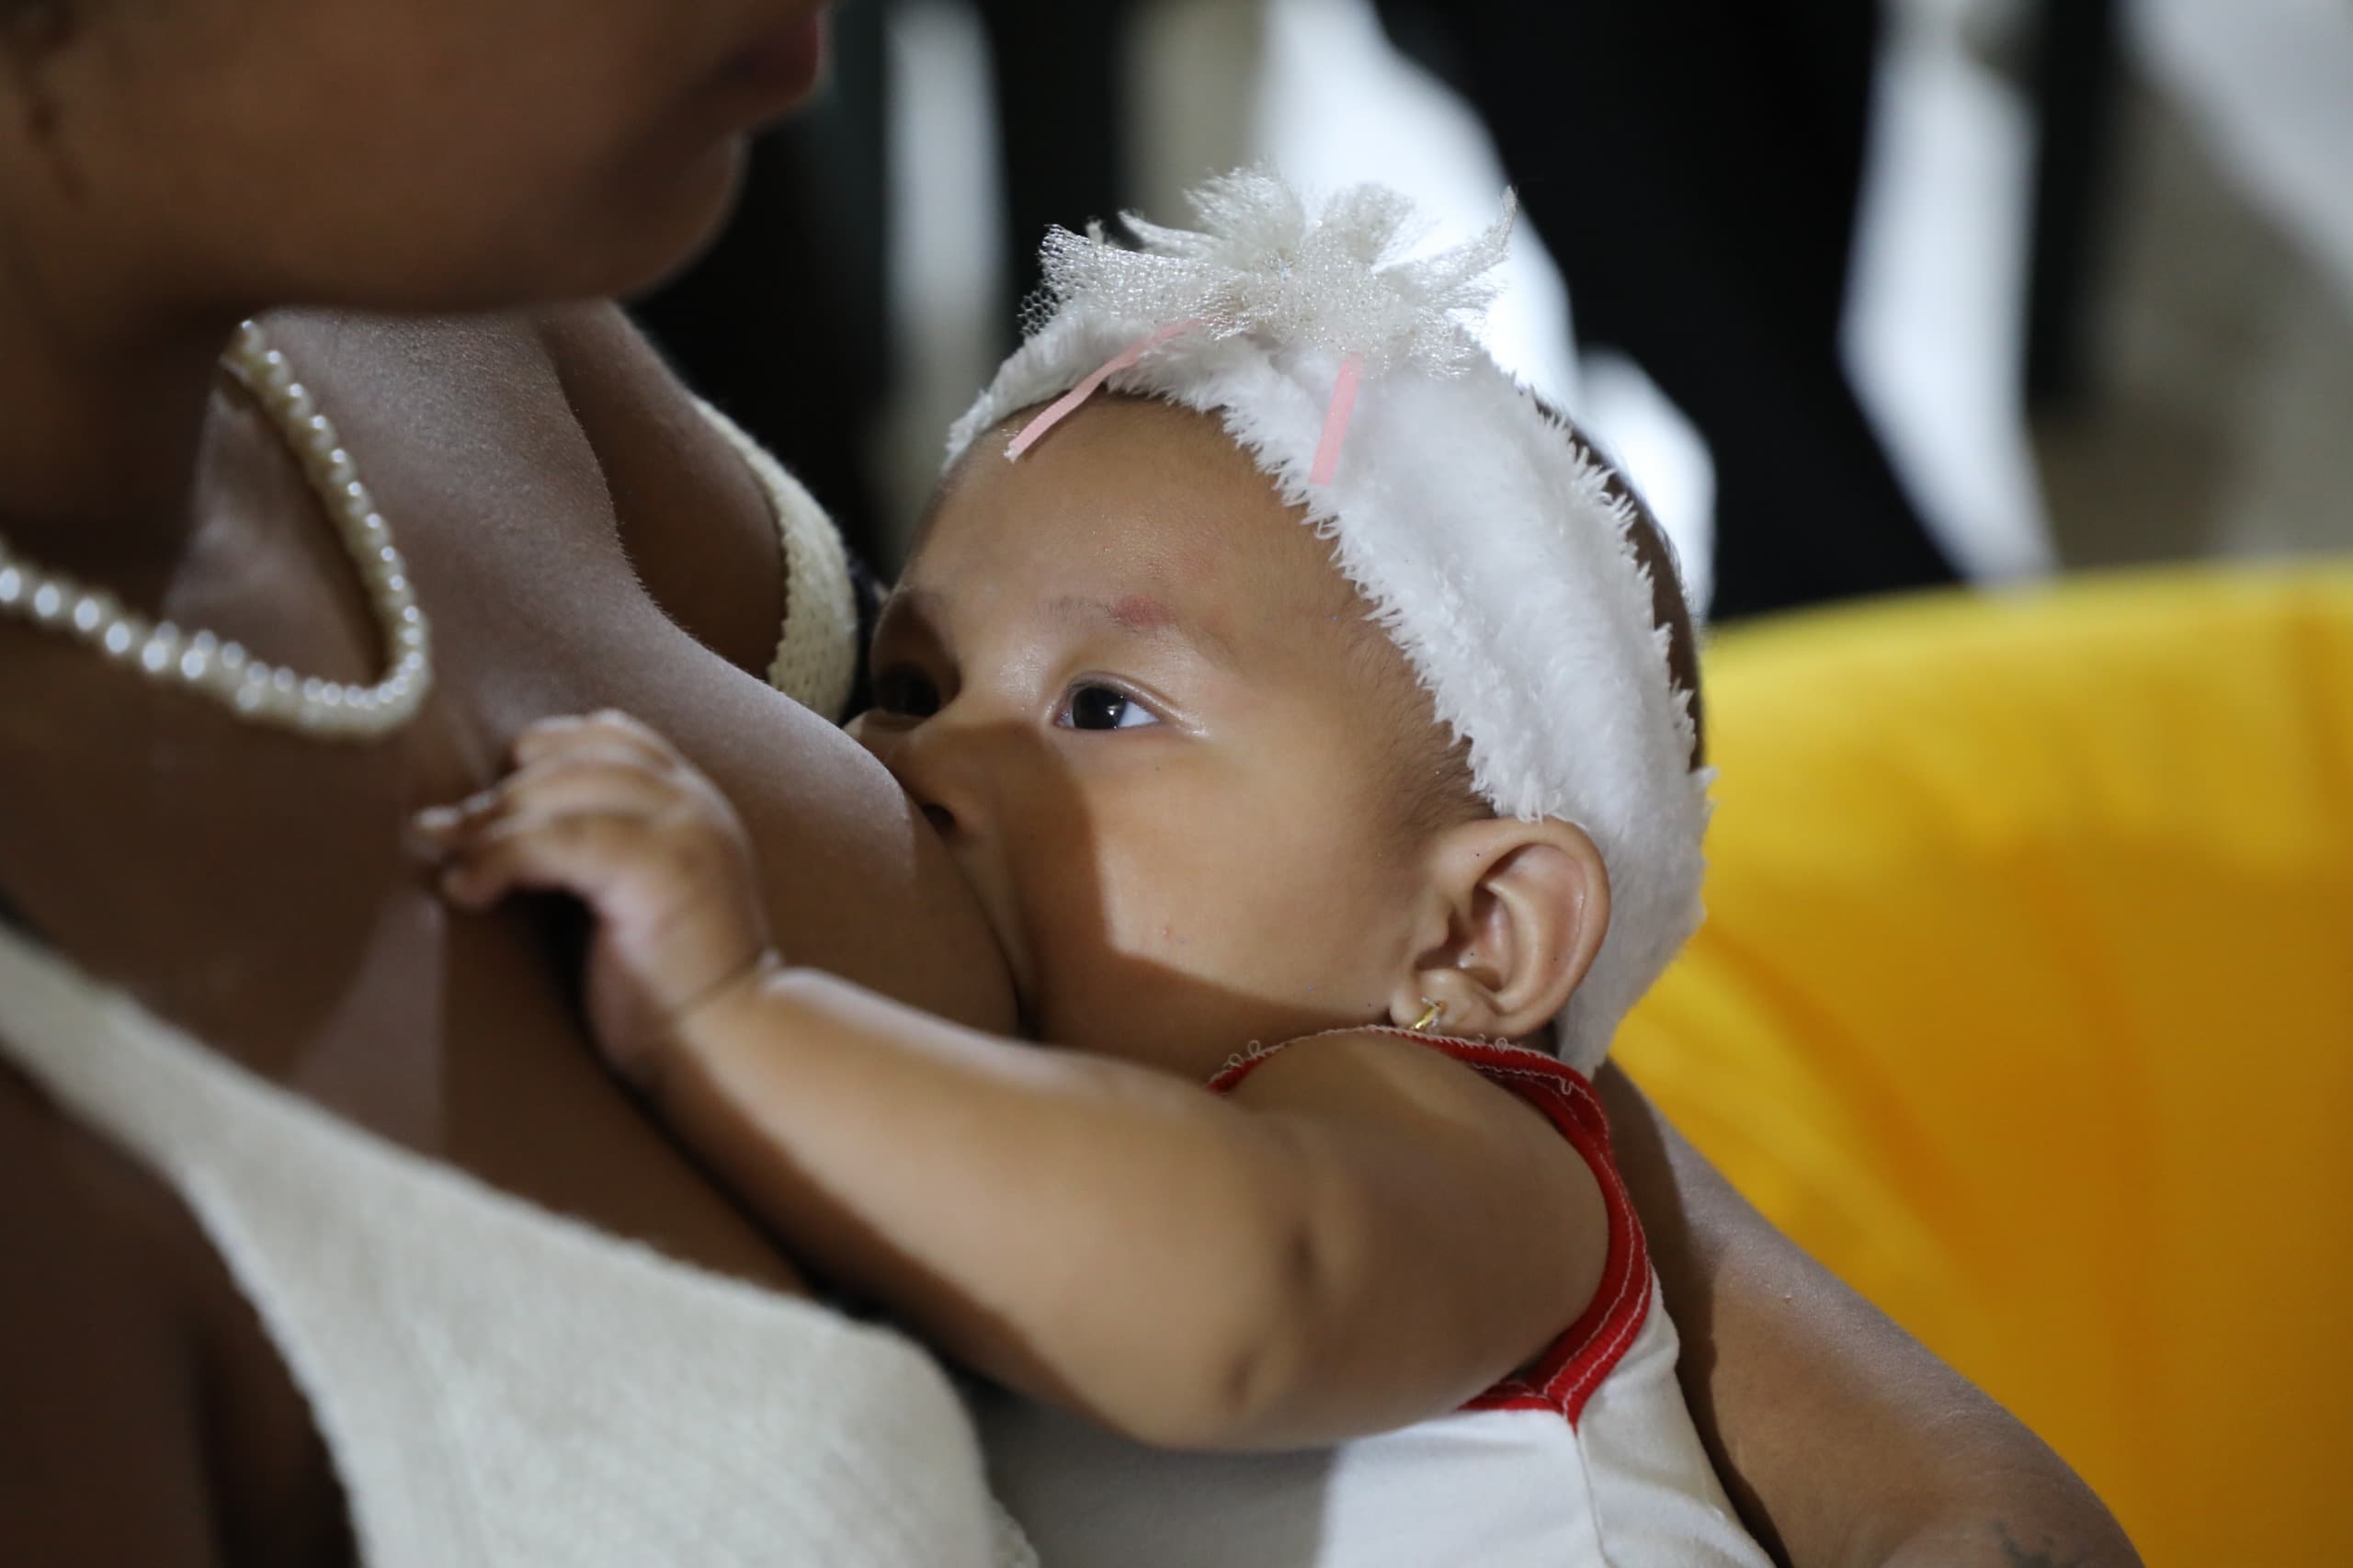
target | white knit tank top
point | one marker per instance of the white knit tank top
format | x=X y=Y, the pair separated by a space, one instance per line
x=500 y=1387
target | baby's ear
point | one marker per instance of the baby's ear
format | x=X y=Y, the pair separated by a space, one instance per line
x=1514 y=914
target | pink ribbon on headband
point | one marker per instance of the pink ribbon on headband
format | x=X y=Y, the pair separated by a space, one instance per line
x=1336 y=417
x=1071 y=401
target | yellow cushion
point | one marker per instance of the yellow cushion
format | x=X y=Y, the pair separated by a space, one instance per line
x=2026 y=1003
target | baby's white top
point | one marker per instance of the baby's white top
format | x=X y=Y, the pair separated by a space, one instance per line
x=1586 y=1460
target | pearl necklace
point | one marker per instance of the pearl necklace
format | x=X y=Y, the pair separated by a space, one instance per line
x=202 y=663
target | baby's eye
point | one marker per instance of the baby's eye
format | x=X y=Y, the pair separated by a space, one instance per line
x=1095 y=707
x=906 y=693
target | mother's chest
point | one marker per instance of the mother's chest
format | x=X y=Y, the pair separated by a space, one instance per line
x=261 y=891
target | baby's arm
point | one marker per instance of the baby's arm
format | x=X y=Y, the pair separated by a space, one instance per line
x=1367 y=1236
x=1364 y=1234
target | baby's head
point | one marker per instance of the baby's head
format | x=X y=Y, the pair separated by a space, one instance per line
x=1226 y=762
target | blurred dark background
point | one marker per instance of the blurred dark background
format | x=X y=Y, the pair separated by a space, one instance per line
x=1867 y=294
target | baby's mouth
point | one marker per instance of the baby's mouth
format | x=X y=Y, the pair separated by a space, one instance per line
x=1015 y=951
x=1007 y=930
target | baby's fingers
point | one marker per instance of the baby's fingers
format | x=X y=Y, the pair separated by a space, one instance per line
x=560 y=780
x=587 y=852
x=609 y=730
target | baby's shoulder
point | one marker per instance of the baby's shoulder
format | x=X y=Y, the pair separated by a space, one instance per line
x=1424 y=1082
x=1414 y=1053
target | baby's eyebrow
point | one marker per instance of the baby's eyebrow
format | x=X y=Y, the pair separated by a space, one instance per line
x=1141 y=615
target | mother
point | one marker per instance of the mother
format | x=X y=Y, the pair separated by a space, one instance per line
x=430 y=180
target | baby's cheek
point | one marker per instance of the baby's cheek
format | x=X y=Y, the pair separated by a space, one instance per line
x=1234 y=951
x=1148 y=929
x=1189 y=903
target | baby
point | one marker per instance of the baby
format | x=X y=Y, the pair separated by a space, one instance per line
x=1313 y=717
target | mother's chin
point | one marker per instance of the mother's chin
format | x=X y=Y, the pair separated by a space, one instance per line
x=660 y=206
x=464 y=156
x=655 y=222
x=672 y=203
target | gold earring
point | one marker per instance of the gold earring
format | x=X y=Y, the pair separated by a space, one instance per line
x=1436 y=1011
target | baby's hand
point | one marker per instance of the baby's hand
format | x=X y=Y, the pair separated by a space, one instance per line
x=605 y=810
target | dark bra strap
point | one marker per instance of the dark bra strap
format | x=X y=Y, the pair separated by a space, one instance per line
x=865 y=592
x=13 y=919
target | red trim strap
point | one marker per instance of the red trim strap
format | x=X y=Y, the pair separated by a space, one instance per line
x=1565 y=1376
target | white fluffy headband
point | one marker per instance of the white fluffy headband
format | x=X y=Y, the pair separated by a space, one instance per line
x=1486 y=542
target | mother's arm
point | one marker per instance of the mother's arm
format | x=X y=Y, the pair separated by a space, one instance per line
x=1842 y=1440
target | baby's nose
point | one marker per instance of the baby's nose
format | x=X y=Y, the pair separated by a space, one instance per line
x=942 y=765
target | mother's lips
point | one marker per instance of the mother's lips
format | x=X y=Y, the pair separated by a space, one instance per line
x=786 y=64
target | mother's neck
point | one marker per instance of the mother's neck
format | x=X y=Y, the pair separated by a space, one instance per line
x=98 y=452
x=106 y=371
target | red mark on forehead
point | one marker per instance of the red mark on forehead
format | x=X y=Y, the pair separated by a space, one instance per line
x=1141 y=612
x=1142 y=615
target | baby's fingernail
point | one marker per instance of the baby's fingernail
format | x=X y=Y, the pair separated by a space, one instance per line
x=435 y=821
x=538 y=732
